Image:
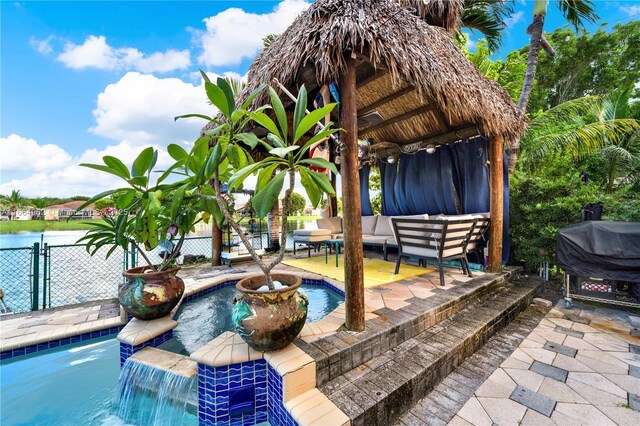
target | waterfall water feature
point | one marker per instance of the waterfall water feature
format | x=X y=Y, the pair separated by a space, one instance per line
x=153 y=396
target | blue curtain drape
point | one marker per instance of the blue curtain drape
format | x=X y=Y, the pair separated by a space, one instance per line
x=365 y=201
x=418 y=183
x=471 y=179
x=425 y=183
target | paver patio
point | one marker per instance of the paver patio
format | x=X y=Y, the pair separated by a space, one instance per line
x=577 y=367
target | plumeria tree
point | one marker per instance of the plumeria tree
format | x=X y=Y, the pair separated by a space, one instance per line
x=227 y=154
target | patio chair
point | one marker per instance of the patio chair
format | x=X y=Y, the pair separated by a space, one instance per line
x=434 y=239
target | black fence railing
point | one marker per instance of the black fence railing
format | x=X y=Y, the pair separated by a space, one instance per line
x=45 y=276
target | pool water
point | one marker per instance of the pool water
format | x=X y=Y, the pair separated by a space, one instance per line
x=68 y=386
x=75 y=385
x=204 y=319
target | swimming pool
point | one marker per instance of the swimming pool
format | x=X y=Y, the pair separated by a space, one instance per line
x=78 y=384
x=205 y=318
x=74 y=385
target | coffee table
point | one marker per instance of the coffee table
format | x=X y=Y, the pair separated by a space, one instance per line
x=336 y=244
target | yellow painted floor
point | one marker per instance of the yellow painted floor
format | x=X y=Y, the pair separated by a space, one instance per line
x=376 y=271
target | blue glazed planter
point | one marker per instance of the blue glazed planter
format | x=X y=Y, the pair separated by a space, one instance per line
x=150 y=295
x=269 y=320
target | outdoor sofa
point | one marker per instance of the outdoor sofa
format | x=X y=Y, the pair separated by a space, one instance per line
x=451 y=237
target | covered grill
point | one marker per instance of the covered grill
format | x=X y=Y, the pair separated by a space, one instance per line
x=601 y=260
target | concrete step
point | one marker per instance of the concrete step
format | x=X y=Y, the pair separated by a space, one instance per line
x=379 y=391
x=338 y=354
x=446 y=399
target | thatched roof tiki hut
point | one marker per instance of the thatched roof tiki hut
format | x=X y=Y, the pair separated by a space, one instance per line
x=404 y=84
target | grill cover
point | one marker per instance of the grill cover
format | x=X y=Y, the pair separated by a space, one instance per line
x=600 y=249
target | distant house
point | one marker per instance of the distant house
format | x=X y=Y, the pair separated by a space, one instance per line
x=21 y=213
x=68 y=210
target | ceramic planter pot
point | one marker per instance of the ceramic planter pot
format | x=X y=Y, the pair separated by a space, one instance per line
x=150 y=295
x=269 y=320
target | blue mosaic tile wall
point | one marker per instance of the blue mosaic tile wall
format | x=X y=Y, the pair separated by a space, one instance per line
x=127 y=350
x=278 y=414
x=216 y=387
x=59 y=342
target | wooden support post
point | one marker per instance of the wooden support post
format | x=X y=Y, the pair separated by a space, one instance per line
x=496 y=184
x=351 y=209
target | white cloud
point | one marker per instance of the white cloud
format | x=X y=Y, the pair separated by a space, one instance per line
x=470 y=44
x=631 y=10
x=96 y=53
x=234 y=34
x=22 y=154
x=72 y=179
x=42 y=46
x=139 y=109
x=514 y=19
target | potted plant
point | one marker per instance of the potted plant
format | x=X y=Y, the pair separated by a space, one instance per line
x=268 y=311
x=145 y=215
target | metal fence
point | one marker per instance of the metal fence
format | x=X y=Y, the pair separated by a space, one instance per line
x=16 y=279
x=46 y=276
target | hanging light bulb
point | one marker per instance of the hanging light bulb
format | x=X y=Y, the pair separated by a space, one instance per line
x=431 y=149
x=391 y=159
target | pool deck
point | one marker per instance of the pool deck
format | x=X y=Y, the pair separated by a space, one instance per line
x=22 y=330
x=577 y=366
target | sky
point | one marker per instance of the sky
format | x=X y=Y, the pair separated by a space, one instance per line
x=82 y=79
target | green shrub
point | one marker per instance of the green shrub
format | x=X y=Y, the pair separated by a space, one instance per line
x=539 y=208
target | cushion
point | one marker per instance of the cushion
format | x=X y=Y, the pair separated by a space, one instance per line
x=312 y=232
x=373 y=239
x=421 y=230
x=383 y=226
x=431 y=253
x=334 y=224
x=459 y=230
x=415 y=216
x=369 y=224
x=311 y=238
x=391 y=241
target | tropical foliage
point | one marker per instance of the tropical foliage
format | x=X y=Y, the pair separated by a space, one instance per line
x=297 y=203
x=13 y=202
x=584 y=127
x=149 y=213
x=224 y=154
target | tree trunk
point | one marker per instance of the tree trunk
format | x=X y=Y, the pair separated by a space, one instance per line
x=351 y=209
x=216 y=244
x=273 y=227
x=536 y=32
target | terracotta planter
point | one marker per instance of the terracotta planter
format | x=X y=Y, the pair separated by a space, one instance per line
x=150 y=295
x=269 y=320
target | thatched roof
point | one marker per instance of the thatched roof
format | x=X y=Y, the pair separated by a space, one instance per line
x=412 y=73
x=440 y=13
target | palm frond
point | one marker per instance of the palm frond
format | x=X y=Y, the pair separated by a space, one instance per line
x=577 y=12
x=585 y=140
x=487 y=17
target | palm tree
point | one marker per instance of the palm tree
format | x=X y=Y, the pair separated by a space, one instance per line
x=576 y=12
x=486 y=17
x=587 y=126
x=13 y=201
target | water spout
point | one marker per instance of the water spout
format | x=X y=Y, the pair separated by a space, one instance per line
x=155 y=389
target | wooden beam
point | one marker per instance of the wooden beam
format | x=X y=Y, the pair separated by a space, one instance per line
x=377 y=73
x=422 y=142
x=496 y=184
x=397 y=119
x=351 y=209
x=385 y=100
